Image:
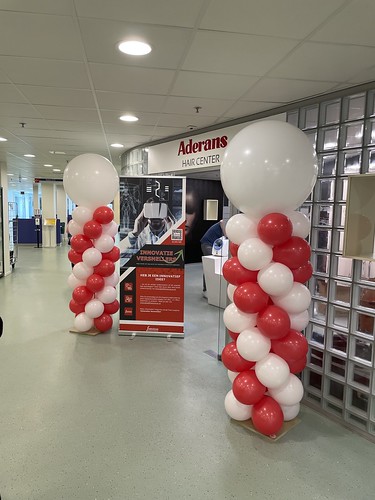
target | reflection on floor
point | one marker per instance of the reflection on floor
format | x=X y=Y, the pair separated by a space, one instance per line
x=107 y=417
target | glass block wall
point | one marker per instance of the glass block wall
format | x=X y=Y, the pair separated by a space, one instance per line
x=339 y=377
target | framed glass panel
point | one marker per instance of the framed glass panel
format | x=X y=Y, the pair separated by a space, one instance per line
x=361 y=349
x=368 y=270
x=330 y=112
x=351 y=162
x=360 y=376
x=315 y=334
x=358 y=400
x=352 y=135
x=323 y=215
x=364 y=323
x=370 y=132
x=371 y=160
x=320 y=287
x=338 y=240
x=321 y=239
x=293 y=118
x=316 y=357
x=309 y=117
x=311 y=137
x=325 y=190
x=336 y=366
x=330 y=138
x=327 y=165
x=355 y=106
x=314 y=380
x=341 y=189
x=339 y=316
x=320 y=262
x=366 y=297
x=341 y=292
x=337 y=341
x=332 y=408
x=318 y=310
x=342 y=266
x=335 y=389
x=357 y=421
x=340 y=215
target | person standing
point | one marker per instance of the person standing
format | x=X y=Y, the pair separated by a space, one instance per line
x=215 y=232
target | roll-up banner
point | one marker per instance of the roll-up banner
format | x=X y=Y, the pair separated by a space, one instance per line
x=152 y=246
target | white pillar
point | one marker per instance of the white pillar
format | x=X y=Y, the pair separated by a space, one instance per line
x=4 y=185
x=48 y=213
x=36 y=198
x=61 y=203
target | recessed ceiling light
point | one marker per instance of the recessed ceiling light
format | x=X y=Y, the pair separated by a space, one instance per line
x=134 y=48
x=24 y=178
x=128 y=118
x=29 y=156
x=2 y=139
x=10 y=174
x=56 y=170
x=117 y=145
x=57 y=152
x=47 y=165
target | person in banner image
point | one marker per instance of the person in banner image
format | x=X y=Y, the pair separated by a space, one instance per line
x=151 y=224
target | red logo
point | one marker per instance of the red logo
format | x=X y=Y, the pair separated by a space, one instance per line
x=207 y=145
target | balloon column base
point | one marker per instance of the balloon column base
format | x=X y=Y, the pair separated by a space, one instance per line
x=92 y=331
x=287 y=426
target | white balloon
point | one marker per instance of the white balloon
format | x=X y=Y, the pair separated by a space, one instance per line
x=275 y=279
x=230 y=291
x=290 y=412
x=240 y=227
x=269 y=166
x=236 y=321
x=94 y=308
x=81 y=271
x=73 y=281
x=253 y=345
x=111 y=228
x=289 y=393
x=81 y=215
x=235 y=409
x=299 y=321
x=232 y=375
x=295 y=301
x=74 y=228
x=91 y=180
x=112 y=280
x=82 y=322
x=272 y=371
x=254 y=254
x=107 y=295
x=105 y=243
x=301 y=223
x=92 y=257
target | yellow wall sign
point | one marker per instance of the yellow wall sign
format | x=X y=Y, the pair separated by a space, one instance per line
x=50 y=222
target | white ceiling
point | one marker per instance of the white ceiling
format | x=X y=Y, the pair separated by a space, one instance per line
x=62 y=75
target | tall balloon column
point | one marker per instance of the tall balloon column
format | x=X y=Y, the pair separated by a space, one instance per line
x=268 y=171
x=91 y=182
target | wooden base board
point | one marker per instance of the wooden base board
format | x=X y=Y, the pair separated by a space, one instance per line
x=92 y=331
x=287 y=426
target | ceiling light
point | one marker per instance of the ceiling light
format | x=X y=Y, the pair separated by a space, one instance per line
x=128 y=118
x=134 y=48
x=117 y=145
x=29 y=156
x=56 y=170
x=57 y=152
x=10 y=174
x=47 y=165
x=2 y=139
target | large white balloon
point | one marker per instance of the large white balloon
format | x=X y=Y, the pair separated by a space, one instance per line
x=290 y=393
x=299 y=321
x=252 y=345
x=82 y=322
x=235 y=409
x=92 y=257
x=91 y=180
x=230 y=291
x=254 y=254
x=272 y=371
x=290 y=412
x=94 y=308
x=73 y=281
x=240 y=227
x=295 y=301
x=107 y=295
x=301 y=223
x=104 y=243
x=236 y=321
x=74 y=228
x=81 y=271
x=81 y=215
x=269 y=166
x=275 y=279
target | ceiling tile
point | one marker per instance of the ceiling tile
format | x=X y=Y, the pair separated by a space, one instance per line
x=62 y=7
x=9 y=93
x=286 y=18
x=211 y=85
x=186 y=106
x=17 y=110
x=58 y=97
x=131 y=102
x=67 y=113
x=168 y=12
x=183 y=121
x=24 y=34
x=367 y=75
x=101 y=39
x=327 y=62
x=126 y=130
x=232 y=53
x=244 y=108
x=46 y=72
x=130 y=79
x=282 y=90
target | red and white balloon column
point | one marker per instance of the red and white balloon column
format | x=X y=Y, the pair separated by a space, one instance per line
x=268 y=171
x=91 y=182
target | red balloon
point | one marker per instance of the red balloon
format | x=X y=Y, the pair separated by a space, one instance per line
x=92 y=229
x=247 y=389
x=95 y=283
x=298 y=365
x=293 y=253
x=113 y=255
x=81 y=295
x=103 y=215
x=112 y=308
x=233 y=360
x=273 y=322
x=74 y=256
x=236 y=274
x=233 y=335
x=104 y=322
x=291 y=347
x=105 y=268
x=80 y=243
x=75 y=307
x=267 y=416
x=233 y=249
x=303 y=273
x=250 y=298
x=275 y=229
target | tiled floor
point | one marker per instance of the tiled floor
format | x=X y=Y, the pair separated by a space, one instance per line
x=107 y=417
